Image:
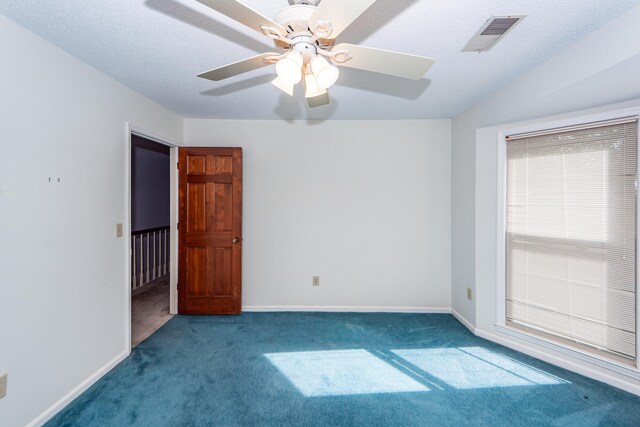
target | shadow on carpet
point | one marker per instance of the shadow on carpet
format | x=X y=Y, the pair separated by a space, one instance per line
x=303 y=369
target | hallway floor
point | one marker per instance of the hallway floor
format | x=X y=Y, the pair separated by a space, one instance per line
x=149 y=309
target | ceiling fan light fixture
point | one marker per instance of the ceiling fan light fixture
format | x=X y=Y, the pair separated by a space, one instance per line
x=312 y=89
x=289 y=68
x=283 y=85
x=326 y=74
x=306 y=32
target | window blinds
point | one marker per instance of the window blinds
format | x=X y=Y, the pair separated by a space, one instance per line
x=571 y=235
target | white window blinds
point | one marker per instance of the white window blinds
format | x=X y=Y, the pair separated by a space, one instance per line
x=571 y=235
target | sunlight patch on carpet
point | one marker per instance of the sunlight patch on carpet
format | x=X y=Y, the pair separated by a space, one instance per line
x=342 y=372
x=476 y=367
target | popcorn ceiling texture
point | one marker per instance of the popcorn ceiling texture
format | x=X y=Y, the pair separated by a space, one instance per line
x=157 y=47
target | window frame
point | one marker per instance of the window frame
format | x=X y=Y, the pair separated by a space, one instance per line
x=501 y=254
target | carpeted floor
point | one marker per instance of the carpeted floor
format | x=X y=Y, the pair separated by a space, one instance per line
x=303 y=369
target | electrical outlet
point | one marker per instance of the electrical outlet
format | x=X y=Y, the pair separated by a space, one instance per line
x=316 y=280
x=3 y=385
x=118 y=230
x=469 y=294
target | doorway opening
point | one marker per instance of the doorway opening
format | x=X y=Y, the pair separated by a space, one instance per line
x=150 y=237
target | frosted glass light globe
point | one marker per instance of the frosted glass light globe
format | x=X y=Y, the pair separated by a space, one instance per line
x=326 y=74
x=312 y=88
x=289 y=68
x=283 y=85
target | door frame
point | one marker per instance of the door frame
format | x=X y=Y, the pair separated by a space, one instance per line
x=132 y=129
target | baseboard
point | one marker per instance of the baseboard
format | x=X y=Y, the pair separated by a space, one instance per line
x=563 y=362
x=81 y=388
x=345 y=309
x=464 y=321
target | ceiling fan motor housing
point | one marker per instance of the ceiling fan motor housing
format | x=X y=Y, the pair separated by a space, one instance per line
x=310 y=2
x=303 y=44
x=295 y=19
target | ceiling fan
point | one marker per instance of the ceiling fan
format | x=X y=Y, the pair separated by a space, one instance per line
x=307 y=30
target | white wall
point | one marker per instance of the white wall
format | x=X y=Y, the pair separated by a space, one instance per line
x=62 y=270
x=363 y=204
x=600 y=69
x=463 y=167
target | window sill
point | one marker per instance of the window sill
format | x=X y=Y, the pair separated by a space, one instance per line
x=626 y=370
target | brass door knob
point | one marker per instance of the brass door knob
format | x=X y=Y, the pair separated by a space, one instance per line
x=235 y=240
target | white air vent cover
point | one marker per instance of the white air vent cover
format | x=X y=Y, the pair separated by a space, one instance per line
x=492 y=32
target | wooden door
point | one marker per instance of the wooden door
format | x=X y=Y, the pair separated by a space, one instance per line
x=210 y=231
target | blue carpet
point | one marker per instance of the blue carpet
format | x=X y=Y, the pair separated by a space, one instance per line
x=303 y=369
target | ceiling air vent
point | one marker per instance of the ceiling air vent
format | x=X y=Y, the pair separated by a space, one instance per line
x=492 y=32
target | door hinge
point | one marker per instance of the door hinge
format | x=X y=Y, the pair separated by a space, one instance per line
x=177 y=165
x=177 y=226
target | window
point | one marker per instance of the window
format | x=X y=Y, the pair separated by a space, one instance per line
x=571 y=236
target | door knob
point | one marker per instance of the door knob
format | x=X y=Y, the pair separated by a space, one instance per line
x=235 y=240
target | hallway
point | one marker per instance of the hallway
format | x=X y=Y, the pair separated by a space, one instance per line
x=149 y=309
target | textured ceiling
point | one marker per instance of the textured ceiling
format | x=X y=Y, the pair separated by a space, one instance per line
x=157 y=47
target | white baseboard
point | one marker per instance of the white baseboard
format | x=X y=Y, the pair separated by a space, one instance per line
x=464 y=321
x=564 y=362
x=345 y=309
x=81 y=388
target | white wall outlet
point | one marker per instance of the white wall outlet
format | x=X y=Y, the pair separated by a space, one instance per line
x=316 y=280
x=3 y=385
x=469 y=294
x=118 y=230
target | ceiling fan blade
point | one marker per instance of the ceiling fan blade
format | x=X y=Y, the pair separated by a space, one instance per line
x=318 y=101
x=243 y=14
x=236 y=68
x=385 y=61
x=340 y=13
